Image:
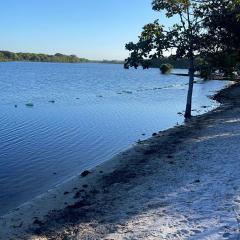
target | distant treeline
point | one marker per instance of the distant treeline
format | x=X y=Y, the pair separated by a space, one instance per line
x=180 y=63
x=108 y=61
x=6 y=56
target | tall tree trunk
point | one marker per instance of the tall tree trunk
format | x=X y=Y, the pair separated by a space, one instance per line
x=188 y=111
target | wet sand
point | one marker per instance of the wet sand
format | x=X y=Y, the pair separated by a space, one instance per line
x=180 y=184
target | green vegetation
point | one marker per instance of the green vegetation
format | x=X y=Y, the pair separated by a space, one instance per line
x=6 y=56
x=166 y=68
x=200 y=29
x=223 y=39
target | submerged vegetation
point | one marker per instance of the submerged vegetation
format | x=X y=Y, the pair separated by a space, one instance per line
x=6 y=56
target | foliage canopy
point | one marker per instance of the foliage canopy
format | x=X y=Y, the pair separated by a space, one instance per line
x=199 y=30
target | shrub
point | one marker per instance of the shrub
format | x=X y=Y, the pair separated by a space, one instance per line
x=166 y=68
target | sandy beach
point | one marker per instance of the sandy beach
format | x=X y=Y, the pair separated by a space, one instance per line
x=183 y=183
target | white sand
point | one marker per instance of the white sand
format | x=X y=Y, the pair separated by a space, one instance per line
x=182 y=184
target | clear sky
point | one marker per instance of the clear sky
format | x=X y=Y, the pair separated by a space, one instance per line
x=95 y=29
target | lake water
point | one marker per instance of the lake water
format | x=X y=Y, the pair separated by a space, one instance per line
x=99 y=110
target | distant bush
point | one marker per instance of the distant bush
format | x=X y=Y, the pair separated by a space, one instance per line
x=166 y=68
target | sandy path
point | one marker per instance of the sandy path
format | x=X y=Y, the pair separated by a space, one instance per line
x=181 y=184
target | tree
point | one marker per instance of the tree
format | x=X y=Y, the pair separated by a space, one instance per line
x=184 y=38
x=222 y=21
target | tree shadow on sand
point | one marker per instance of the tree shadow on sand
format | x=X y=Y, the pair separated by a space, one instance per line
x=163 y=191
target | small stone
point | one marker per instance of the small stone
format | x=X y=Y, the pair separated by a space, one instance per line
x=29 y=104
x=77 y=195
x=85 y=173
x=150 y=152
x=226 y=235
x=38 y=222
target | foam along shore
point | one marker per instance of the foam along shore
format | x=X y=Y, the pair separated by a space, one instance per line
x=181 y=184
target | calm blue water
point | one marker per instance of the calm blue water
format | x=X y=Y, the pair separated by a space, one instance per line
x=99 y=110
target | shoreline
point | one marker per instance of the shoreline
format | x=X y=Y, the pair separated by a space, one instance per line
x=78 y=193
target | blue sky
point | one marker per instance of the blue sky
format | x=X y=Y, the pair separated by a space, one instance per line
x=95 y=29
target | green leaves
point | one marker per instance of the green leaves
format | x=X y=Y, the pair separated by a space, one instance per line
x=171 y=7
x=200 y=27
x=152 y=42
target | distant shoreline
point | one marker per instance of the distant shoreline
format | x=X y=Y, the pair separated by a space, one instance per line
x=7 y=56
x=89 y=61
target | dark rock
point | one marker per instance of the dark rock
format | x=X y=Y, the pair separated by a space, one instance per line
x=226 y=235
x=154 y=134
x=65 y=193
x=85 y=186
x=77 y=195
x=38 y=222
x=37 y=231
x=85 y=173
x=150 y=152
x=94 y=191
x=29 y=104
x=79 y=204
